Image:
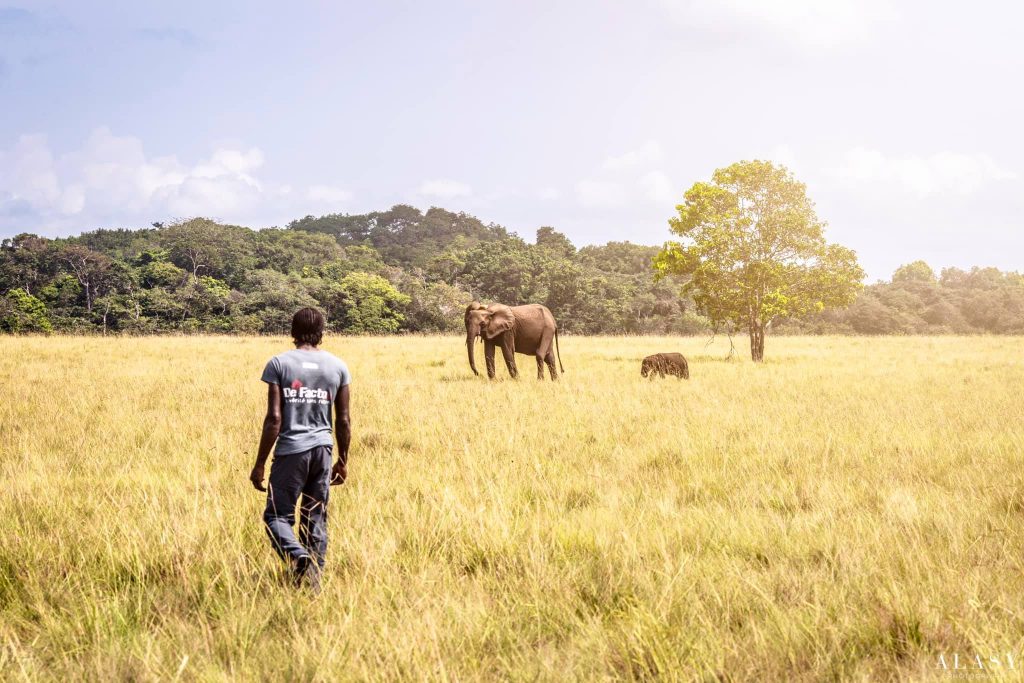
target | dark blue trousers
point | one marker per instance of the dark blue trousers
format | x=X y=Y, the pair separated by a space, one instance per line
x=306 y=474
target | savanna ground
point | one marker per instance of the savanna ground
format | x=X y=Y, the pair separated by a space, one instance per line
x=852 y=509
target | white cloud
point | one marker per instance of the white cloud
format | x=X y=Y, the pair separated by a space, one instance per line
x=110 y=180
x=783 y=155
x=657 y=187
x=444 y=188
x=328 y=194
x=946 y=172
x=27 y=172
x=548 y=193
x=811 y=23
x=596 y=194
x=649 y=152
x=627 y=179
x=231 y=162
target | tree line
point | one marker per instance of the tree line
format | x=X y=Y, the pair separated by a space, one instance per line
x=408 y=270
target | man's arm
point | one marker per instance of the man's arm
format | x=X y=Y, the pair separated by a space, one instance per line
x=271 y=428
x=343 y=425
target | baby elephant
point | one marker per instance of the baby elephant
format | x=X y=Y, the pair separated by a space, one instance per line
x=665 y=364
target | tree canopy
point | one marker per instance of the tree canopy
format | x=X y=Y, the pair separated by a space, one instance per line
x=753 y=251
x=407 y=270
x=382 y=272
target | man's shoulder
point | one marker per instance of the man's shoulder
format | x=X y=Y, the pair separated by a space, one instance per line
x=290 y=358
x=334 y=359
x=279 y=357
x=272 y=370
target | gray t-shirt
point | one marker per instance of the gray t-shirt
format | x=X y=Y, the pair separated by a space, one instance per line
x=309 y=381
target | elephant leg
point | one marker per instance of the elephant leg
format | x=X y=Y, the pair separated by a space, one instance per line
x=544 y=352
x=540 y=355
x=489 y=357
x=509 y=352
x=552 y=369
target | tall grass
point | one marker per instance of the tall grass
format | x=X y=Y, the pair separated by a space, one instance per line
x=851 y=509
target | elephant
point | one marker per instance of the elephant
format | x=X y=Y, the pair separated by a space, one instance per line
x=665 y=363
x=526 y=329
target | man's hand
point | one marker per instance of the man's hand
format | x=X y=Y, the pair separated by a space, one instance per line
x=256 y=477
x=339 y=473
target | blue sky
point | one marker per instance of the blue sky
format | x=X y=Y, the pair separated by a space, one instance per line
x=903 y=118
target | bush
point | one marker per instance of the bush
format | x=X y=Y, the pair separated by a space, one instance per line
x=21 y=312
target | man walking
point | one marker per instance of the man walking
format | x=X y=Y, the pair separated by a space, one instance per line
x=302 y=385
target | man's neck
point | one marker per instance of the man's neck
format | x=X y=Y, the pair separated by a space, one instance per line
x=306 y=347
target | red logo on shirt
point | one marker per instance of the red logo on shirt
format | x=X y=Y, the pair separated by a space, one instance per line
x=296 y=384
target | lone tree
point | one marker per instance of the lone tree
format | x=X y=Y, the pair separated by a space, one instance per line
x=753 y=251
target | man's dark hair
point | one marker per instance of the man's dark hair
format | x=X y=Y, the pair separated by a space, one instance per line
x=308 y=327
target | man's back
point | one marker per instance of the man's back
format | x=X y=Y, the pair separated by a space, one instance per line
x=309 y=381
x=302 y=387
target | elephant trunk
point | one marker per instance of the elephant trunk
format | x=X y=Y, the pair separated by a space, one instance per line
x=470 y=340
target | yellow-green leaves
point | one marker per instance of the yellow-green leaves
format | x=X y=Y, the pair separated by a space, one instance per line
x=753 y=250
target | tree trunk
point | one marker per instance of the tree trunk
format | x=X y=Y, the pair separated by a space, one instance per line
x=756 y=342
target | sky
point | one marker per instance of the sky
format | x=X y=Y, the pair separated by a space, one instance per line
x=903 y=118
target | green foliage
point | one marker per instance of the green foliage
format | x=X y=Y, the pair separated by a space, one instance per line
x=433 y=306
x=290 y=251
x=22 y=312
x=202 y=247
x=753 y=251
x=274 y=297
x=26 y=261
x=918 y=271
x=162 y=274
x=370 y=304
x=198 y=275
x=554 y=241
x=982 y=300
x=509 y=271
x=403 y=235
x=62 y=292
x=405 y=270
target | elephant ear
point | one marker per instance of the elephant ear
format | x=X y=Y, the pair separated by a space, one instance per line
x=500 y=321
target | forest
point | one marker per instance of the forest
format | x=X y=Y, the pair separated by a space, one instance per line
x=405 y=270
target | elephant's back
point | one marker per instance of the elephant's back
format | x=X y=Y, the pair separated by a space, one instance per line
x=537 y=314
x=531 y=309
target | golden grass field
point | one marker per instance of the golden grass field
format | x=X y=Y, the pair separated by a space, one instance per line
x=850 y=510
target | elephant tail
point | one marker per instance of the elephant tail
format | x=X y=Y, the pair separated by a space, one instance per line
x=558 y=352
